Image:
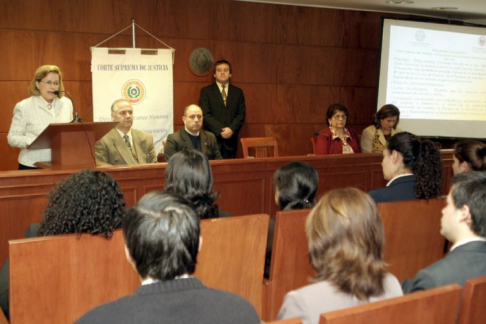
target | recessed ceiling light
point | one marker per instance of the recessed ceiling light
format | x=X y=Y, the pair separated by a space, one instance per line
x=445 y=8
x=400 y=2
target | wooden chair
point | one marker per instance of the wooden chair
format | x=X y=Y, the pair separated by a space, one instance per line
x=434 y=306
x=56 y=279
x=290 y=267
x=232 y=256
x=261 y=146
x=473 y=301
x=313 y=141
x=412 y=235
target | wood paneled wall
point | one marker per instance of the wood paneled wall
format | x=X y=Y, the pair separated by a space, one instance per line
x=291 y=62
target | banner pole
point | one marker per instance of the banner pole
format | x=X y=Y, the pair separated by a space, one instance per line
x=133 y=33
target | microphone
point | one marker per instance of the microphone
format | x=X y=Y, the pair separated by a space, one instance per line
x=319 y=133
x=76 y=119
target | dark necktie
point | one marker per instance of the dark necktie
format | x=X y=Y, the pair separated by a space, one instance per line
x=129 y=146
x=223 y=93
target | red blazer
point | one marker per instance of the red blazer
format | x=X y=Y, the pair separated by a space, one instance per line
x=325 y=144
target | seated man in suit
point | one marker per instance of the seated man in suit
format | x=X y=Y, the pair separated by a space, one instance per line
x=123 y=144
x=192 y=136
x=463 y=223
x=162 y=242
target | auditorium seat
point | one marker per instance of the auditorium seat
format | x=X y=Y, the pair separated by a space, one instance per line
x=434 y=306
x=290 y=267
x=313 y=141
x=285 y=321
x=259 y=147
x=232 y=256
x=412 y=235
x=473 y=301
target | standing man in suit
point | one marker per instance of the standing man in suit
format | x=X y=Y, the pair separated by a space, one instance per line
x=224 y=109
x=162 y=240
x=192 y=136
x=463 y=223
x=124 y=145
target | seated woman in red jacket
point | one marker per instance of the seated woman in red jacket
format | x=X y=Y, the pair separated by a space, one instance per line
x=337 y=139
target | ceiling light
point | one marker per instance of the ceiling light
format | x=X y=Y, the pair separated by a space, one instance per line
x=399 y=2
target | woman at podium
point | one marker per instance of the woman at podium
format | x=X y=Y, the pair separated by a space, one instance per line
x=32 y=115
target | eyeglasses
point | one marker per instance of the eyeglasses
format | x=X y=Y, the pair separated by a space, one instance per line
x=343 y=117
x=49 y=82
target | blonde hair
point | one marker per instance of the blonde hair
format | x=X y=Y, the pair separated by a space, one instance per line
x=41 y=74
x=346 y=239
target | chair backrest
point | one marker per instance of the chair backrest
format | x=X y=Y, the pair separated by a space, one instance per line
x=435 y=306
x=473 y=301
x=313 y=141
x=259 y=147
x=232 y=256
x=290 y=267
x=56 y=279
x=412 y=235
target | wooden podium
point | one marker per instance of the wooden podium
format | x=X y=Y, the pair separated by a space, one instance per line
x=72 y=145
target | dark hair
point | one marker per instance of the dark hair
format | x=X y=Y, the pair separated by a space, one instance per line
x=296 y=184
x=332 y=110
x=422 y=157
x=162 y=235
x=189 y=175
x=470 y=189
x=471 y=152
x=222 y=62
x=386 y=111
x=89 y=201
x=346 y=239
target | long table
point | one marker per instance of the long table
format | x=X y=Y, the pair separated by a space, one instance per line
x=245 y=185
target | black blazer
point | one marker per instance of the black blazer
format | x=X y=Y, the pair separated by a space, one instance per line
x=217 y=116
x=180 y=140
x=402 y=188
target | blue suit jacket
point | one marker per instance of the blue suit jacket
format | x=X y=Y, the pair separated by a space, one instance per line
x=402 y=188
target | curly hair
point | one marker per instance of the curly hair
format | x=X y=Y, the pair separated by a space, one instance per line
x=422 y=157
x=189 y=175
x=346 y=240
x=386 y=111
x=472 y=152
x=89 y=201
x=296 y=185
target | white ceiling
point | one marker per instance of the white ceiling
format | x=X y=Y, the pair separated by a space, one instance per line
x=472 y=11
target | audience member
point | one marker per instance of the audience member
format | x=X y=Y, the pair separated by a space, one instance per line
x=463 y=223
x=346 y=240
x=337 y=139
x=124 y=144
x=413 y=168
x=224 y=109
x=89 y=202
x=383 y=126
x=192 y=136
x=469 y=155
x=162 y=241
x=32 y=115
x=295 y=186
x=189 y=175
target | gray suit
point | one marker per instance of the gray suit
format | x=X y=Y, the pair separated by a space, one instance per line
x=113 y=150
x=464 y=262
x=180 y=140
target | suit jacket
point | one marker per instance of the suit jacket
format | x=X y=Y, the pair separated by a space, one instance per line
x=30 y=117
x=325 y=144
x=217 y=116
x=113 y=150
x=402 y=188
x=180 y=140
x=464 y=262
x=373 y=140
x=175 y=301
x=307 y=303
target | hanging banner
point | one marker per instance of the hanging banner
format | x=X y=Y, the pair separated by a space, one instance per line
x=144 y=80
